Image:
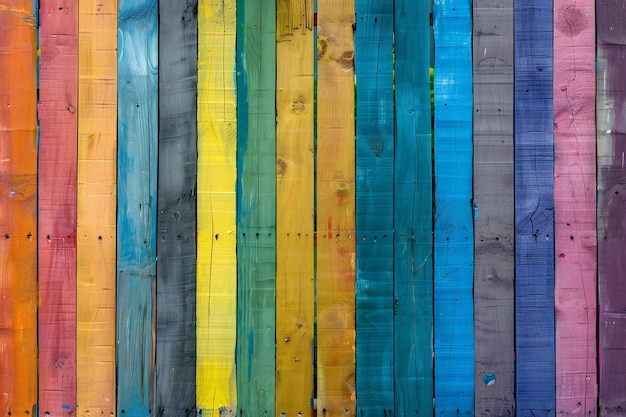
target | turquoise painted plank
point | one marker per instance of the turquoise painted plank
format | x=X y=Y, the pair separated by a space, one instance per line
x=373 y=45
x=454 y=239
x=136 y=193
x=534 y=210
x=256 y=207
x=413 y=211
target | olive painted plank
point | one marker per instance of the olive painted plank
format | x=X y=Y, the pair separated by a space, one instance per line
x=611 y=218
x=96 y=208
x=18 y=207
x=335 y=208
x=175 y=392
x=534 y=210
x=575 y=207
x=295 y=286
x=494 y=217
x=413 y=211
x=373 y=44
x=137 y=161
x=256 y=207
x=217 y=173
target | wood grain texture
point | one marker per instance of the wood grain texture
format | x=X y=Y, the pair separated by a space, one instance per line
x=534 y=210
x=137 y=161
x=18 y=207
x=217 y=174
x=96 y=207
x=413 y=211
x=373 y=44
x=335 y=205
x=494 y=217
x=575 y=207
x=295 y=286
x=453 y=229
x=611 y=148
x=256 y=207
x=58 y=100
x=175 y=392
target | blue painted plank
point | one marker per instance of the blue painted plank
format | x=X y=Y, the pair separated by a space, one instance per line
x=534 y=210
x=373 y=44
x=413 y=211
x=454 y=240
x=136 y=193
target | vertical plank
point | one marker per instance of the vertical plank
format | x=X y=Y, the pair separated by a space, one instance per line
x=575 y=207
x=217 y=173
x=373 y=44
x=137 y=128
x=454 y=240
x=256 y=207
x=58 y=92
x=534 y=210
x=295 y=275
x=494 y=217
x=175 y=392
x=18 y=207
x=413 y=211
x=335 y=282
x=96 y=207
x=611 y=128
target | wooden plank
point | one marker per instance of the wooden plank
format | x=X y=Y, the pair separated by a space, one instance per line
x=256 y=207
x=217 y=173
x=413 y=211
x=494 y=217
x=575 y=207
x=295 y=286
x=335 y=205
x=96 y=207
x=453 y=232
x=373 y=44
x=58 y=95
x=137 y=161
x=175 y=391
x=534 y=210
x=611 y=209
x=18 y=207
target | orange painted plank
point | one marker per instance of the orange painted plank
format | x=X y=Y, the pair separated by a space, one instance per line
x=58 y=87
x=96 y=234
x=18 y=207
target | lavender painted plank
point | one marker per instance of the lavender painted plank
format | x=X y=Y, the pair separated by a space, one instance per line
x=493 y=208
x=534 y=220
x=175 y=392
x=575 y=207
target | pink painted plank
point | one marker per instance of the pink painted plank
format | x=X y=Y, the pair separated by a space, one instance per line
x=575 y=207
x=57 y=207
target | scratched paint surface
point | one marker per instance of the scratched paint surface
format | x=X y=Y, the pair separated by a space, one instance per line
x=18 y=208
x=534 y=210
x=96 y=207
x=575 y=207
x=611 y=148
x=175 y=391
x=136 y=202
x=494 y=217
x=217 y=173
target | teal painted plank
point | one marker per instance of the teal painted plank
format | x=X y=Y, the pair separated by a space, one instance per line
x=256 y=207
x=136 y=193
x=454 y=239
x=413 y=211
x=373 y=45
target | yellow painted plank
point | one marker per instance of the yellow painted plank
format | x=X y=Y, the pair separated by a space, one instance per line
x=294 y=205
x=96 y=240
x=217 y=173
x=335 y=209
